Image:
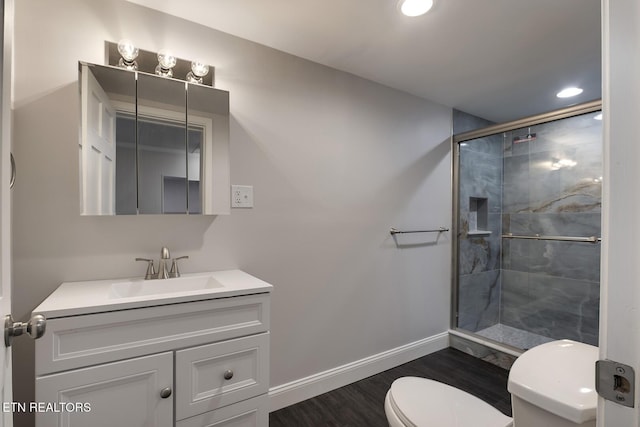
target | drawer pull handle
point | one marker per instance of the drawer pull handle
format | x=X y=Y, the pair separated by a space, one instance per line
x=228 y=374
x=165 y=392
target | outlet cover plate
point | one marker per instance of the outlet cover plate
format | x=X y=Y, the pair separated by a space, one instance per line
x=242 y=196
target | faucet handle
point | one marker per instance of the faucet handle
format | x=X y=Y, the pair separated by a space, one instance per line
x=151 y=271
x=174 y=272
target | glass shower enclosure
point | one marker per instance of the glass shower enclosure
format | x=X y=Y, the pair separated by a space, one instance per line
x=527 y=201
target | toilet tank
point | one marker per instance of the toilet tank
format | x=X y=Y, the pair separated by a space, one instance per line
x=553 y=385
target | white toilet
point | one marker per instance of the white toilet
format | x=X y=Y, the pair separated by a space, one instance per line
x=551 y=385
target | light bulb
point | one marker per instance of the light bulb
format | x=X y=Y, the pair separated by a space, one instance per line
x=166 y=61
x=129 y=53
x=415 y=7
x=199 y=69
x=127 y=50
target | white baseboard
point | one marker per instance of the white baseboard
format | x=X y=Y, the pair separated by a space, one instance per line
x=305 y=388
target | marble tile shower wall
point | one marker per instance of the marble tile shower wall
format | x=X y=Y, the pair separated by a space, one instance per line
x=479 y=257
x=552 y=186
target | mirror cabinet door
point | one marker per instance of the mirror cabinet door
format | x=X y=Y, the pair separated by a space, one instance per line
x=105 y=92
x=162 y=146
x=208 y=118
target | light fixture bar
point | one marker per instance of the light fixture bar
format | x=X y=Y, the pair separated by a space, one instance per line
x=147 y=62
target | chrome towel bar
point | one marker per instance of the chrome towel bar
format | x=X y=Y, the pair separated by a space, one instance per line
x=396 y=231
x=591 y=239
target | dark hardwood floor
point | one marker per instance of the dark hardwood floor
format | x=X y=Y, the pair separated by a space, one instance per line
x=362 y=403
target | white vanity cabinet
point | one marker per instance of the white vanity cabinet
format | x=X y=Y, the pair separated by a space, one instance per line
x=195 y=363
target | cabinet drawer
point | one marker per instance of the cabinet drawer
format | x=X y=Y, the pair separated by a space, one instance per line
x=125 y=393
x=78 y=341
x=248 y=413
x=216 y=375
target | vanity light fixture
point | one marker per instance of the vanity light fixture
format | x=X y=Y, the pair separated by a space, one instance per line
x=129 y=52
x=415 y=7
x=569 y=92
x=199 y=69
x=163 y=63
x=166 y=62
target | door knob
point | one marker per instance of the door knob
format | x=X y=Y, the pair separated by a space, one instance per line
x=35 y=328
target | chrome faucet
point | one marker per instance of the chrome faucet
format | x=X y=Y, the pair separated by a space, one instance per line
x=162 y=273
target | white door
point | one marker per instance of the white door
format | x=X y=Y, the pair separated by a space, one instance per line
x=97 y=148
x=620 y=291
x=5 y=198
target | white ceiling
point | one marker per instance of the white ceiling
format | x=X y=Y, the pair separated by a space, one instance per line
x=498 y=59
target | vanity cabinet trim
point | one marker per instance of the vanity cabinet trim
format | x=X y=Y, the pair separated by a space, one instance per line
x=221 y=374
x=79 y=341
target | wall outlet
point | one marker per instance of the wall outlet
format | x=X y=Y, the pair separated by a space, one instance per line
x=242 y=196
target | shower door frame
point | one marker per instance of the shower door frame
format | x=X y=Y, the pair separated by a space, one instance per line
x=456 y=140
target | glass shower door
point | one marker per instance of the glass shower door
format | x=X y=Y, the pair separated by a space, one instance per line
x=528 y=252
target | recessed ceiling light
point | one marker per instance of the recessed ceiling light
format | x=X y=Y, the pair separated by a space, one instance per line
x=598 y=116
x=569 y=92
x=415 y=7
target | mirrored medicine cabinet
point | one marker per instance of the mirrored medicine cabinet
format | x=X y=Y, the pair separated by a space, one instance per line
x=151 y=144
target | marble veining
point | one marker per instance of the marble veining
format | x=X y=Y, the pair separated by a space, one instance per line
x=479 y=300
x=550 y=184
x=479 y=255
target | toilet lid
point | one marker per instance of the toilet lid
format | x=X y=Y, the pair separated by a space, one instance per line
x=421 y=402
x=559 y=377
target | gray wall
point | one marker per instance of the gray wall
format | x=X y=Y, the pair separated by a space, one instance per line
x=335 y=161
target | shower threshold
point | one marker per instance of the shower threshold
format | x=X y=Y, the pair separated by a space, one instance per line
x=513 y=336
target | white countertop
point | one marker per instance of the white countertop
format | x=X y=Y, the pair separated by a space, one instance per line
x=97 y=296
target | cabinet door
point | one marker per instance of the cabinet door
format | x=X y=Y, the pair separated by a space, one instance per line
x=125 y=393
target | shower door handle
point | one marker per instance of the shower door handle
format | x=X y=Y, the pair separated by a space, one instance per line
x=13 y=171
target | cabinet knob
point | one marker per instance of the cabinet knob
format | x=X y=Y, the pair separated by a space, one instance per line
x=228 y=374
x=165 y=392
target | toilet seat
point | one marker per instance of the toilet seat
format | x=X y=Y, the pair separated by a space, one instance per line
x=420 y=402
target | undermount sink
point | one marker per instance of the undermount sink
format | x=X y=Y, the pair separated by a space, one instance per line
x=138 y=287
